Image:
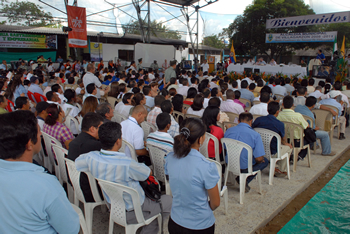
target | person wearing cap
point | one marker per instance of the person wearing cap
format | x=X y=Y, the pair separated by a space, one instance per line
x=335 y=99
x=170 y=72
x=34 y=87
x=41 y=113
x=154 y=65
x=139 y=65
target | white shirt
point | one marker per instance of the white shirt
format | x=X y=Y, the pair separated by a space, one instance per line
x=61 y=96
x=278 y=89
x=259 y=109
x=132 y=133
x=78 y=90
x=183 y=90
x=150 y=76
x=317 y=94
x=248 y=80
x=213 y=85
x=123 y=109
x=206 y=102
x=199 y=113
x=289 y=88
x=231 y=106
x=250 y=62
x=91 y=78
x=205 y=67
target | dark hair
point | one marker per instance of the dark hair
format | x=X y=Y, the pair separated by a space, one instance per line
x=109 y=133
x=214 y=92
x=53 y=112
x=55 y=88
x=49 y=95
x=234 y=84
x=215 y=101
x=103 y=109
x=146 y=90
x=172 y=80
x=126 y=97
x=137 y=99
x=210 y=116
x=288 y=102
x=328 y=80
x=264 y=97
x=197 y=102
x=273 y=107
x=321 y=83
x=91 y=119
x=165 y=92
x=260 y=83
x=166 y=106
x=287 y=80
x=177 y=102
x=20 y=102
x=252 y=86
x=337 y=86
x=301 y=90
x=191 y=92
x=11 y=88
x=245 y=116
x=244 y=84
x=71 y=80
x=90 y=88
x=17 y=129
x=2 y=98
x=304 y=83
x=266 y=89
x=162 y=120
x=191 y=129
x=311 y=81
x=237 y=94
x=310 y=101
x=206 y=92
x=69 y=94
x=158 y=100
x=327 y=88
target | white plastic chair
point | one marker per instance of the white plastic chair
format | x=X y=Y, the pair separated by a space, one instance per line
x=335 y=122
x=223 y=192
x=60 y=155
x=266 y=136
x=118 y=117
x=177 y=115
x=118 y=212
x=233 y=153
x=68 y=121
x=204 y=147
x=74 y=176
x=131 y=149
x=81 y=219
x=147 y=129
x=157 y=158
x=49 y=140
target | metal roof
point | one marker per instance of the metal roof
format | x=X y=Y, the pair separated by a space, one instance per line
x=156 y=40
x=180 y=2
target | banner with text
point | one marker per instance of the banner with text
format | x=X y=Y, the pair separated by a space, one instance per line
x=22 y=40
x=307 y=20
x=96 y=51
x=77 y=21
x=301 y=37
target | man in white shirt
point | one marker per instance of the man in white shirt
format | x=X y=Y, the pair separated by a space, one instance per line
x=273 y=62
x=289 y=87
x=312 y=63
x=278 y=89
x=183 y=90
x=229 y=105
x=207 y=95
x=260 y=62
x=150 y=74
x=89 y=78
x=261 y=108
x=58 y=90
x=250 y=62
x=205 y=66
x=52 y=98
x=317 y=94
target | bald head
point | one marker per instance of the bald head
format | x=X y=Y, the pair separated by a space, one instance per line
x=90 y=67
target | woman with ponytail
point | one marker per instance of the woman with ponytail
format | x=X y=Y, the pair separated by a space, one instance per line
x=192 y=179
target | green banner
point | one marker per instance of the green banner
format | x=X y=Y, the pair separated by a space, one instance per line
x=22 y=40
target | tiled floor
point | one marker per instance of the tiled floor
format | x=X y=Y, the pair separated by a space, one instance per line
x=257 y=209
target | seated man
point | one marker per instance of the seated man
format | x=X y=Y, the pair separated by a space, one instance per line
x=149 y=99
x=271 y=122
x=91 y=90
x=86 y=142
x=288 y=115
x=322 y=135
x=106 y=111
x=245 y=93
x=278 y=89
x=31 y=200
x=229 y=105
x=261 y=108
x=41 y=113
x=22 y=103
x=152 y=115
x=335 y=99
x=167 y=107
x=162 y=138
x=56 y=88
x=110 y=165
x=243 y=132
x=52 y=98
x=317 y=93
x=133 y=133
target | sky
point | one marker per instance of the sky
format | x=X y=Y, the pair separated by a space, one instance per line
x=213 y=18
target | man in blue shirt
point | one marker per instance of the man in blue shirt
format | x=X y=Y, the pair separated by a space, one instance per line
x=34 y=86
x=271 y=122
x=243 y=132
x=322 y=135
x=111 y=165
x=31 y=200
x=245 y=93
x=320 y=56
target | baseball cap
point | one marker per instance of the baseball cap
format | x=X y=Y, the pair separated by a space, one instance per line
x=334 y=93
x=33 y=79
x=41 y=106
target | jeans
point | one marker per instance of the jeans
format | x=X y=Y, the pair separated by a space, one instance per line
x=174 y=228
x=325 y=141
x=256 y=167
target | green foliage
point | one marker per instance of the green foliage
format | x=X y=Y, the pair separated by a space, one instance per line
x=26 y=13
x=213 y=41
x=343 y=29
x=248 y=30
x=157 y=30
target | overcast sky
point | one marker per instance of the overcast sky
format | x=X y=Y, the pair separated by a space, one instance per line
x=216 y=16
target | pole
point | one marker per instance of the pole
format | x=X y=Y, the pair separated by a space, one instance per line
x=197 y=9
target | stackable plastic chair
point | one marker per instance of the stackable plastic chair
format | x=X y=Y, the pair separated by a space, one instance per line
x=31 y=96
x=39 y=98
x=228 y=125
x=233 y=153
x=204 y=147
x=186 y=106
x=256 y=103
x=147 y=129
x=266 y=136
x=246 y=102
x=192 y=116
x=223 y=192
x=335 y=122
x=157 y=158
x=256 y=116
x=177 y=115
x=279 y=96
x=232 y=116
x=81 y=219
x=131 y=149
x=60 y=156
x=118 y=117
x=68 y=121
x=51 y=162
x=324 y=120
x=10 y=106
x=74 y=176
x=115 y=192
x=289 y=131
x=111 y=100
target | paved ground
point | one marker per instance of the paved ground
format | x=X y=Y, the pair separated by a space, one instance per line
x=257 y=209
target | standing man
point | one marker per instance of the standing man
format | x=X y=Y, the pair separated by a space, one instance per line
x=165 y=65
x=89 y=78
x=139 y=65
x=205 y=66
x=320 y=56
x=170 y=72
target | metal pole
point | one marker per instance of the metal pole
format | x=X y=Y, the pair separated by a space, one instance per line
x=149 y=22
x=197 y=31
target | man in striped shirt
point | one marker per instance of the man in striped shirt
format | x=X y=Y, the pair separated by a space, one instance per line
x=161 y=138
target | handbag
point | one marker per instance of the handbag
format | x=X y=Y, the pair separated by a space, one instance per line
x=151 y=188
x=309 y=135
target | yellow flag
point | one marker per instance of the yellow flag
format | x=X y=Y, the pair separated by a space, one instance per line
x=233 y=54
x=342 y=50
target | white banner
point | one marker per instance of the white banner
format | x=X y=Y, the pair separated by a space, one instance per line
x=301 y=37
x=306 y=20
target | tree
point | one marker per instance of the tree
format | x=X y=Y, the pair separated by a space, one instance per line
x=157 y=30
x=26 y=13
x=248 y=31
x=214 y=41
